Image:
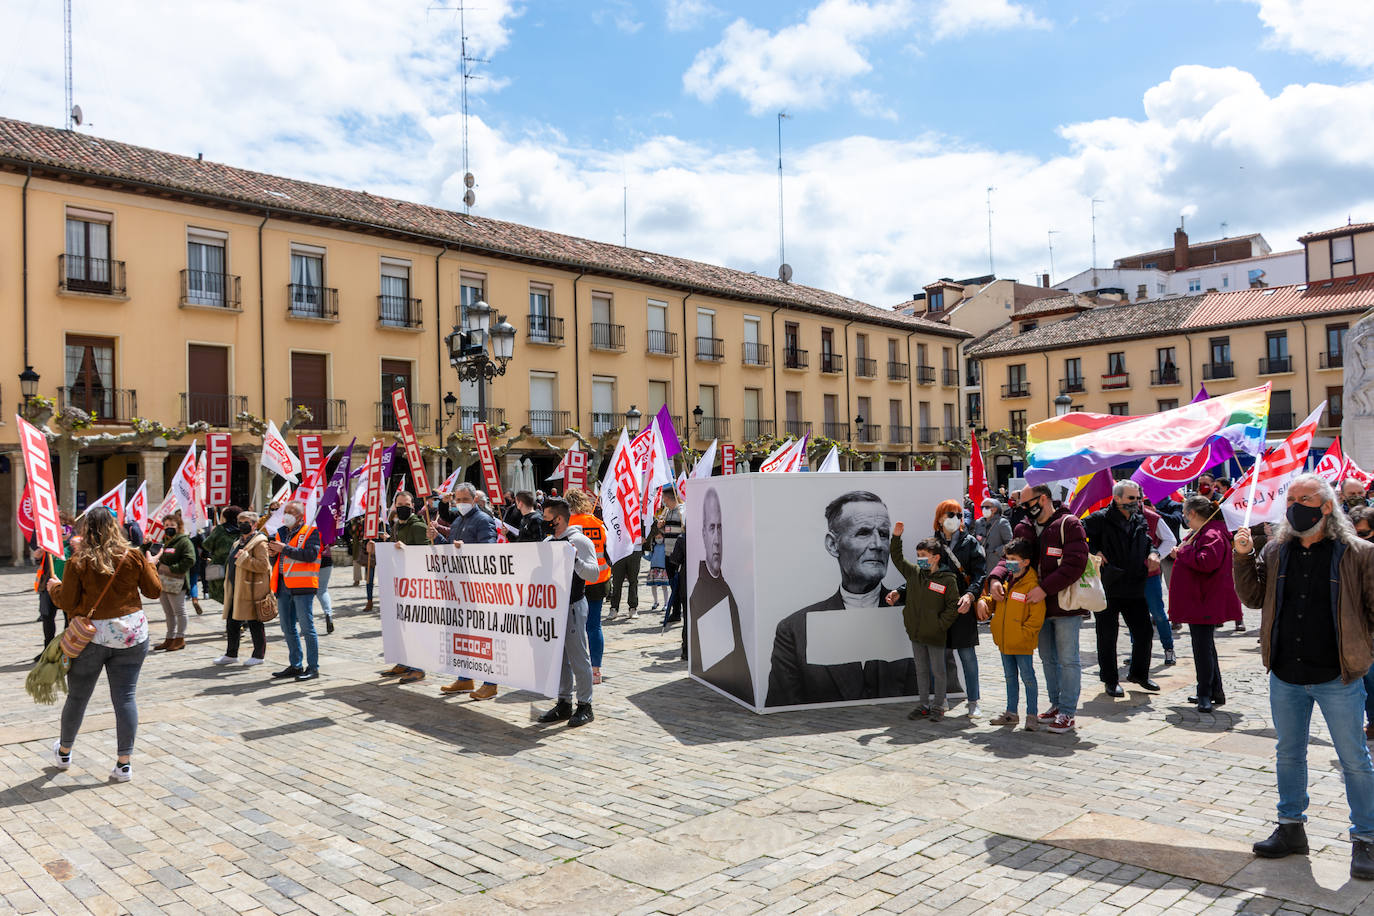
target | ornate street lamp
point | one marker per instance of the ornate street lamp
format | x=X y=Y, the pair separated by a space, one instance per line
x=28 y=383
x=479 y=351
x=632 y=420
x=1062 y=405
x=697 y=414
x=859 y=427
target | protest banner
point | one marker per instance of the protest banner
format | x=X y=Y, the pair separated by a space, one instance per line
x=38 y=471
x=727 y=458
x=414 y=457
x=576 y=471
x=620 y=503
x=491 y=612
x=376 y=488
x=1262 y=494
x=184 y=487
x=218 y=461
x=488 y=460
x=155 y=526
x=311 y=447
x=113 y=500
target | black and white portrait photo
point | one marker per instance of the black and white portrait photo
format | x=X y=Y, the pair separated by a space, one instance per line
x=716 y=644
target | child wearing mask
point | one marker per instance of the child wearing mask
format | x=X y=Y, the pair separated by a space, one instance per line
x=1016 y=623
x=932 y=604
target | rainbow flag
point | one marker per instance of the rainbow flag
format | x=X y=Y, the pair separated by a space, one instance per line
x=1079 y=444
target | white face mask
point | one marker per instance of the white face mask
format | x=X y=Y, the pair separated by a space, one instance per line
x=987 y=513
x=951 y=524
x=464 y=508
x=291 y=520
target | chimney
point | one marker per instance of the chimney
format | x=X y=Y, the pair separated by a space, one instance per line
x=1045 y=280
x=1180 y=249
x=1140 y=292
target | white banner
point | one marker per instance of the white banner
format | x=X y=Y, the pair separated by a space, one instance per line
x=491 y=612
x=184 y=488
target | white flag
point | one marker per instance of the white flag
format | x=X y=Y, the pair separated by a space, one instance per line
x=137 y=511
x=311 y=490
x=831 y=464
x=155 y=526
x=277 y=456
x=113 y=500
x=620 y=503
x=705 y=462
x=660 y=475
x=796 y=459
x=1269 y=487
x=278 y=518
x=184 y=488
x=776 y=457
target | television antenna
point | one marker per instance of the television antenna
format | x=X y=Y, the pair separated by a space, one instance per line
x=73 y=112
x=784 y=269
x=1050 y=234
x=465 y=61
x=991 y=269
x=1095 y=202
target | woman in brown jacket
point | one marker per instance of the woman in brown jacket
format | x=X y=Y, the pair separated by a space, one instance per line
x=246 y=580
x=102 y=581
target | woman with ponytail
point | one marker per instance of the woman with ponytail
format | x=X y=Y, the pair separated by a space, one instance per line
x=1202 y=593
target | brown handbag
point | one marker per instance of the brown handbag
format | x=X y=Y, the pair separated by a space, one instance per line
x=80 y=631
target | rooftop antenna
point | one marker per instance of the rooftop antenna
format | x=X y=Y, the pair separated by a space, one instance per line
x=1224 y=224
x=1094 y=218
x=1050 y=234
x=67 y=36
x=469 y=180
x=784 y=269
x=991 y=269
x=625 y=207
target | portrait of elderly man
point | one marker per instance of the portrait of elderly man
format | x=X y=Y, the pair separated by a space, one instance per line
x=717 y=644
x=824 y=653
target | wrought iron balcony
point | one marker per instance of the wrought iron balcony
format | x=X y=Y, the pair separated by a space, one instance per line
x=1116 y=380
x=210 y=289
x=899 y=435
x=419 y=417
x=1016 y=390
x=755 y=354
x=608 y=337
x=549 y=422
x=795 y=359
x=79 y=274
x=662 y=343
x=949 y=378
x=754 y=429
x=319 y=302
x=107 y=405
x=545 y=329
x=1285 y=421
x=1218 y=370
x=326 y=413
x=1329 y=360
x=898 y=372
x=865 y=367
x=603 y=423
x=492 y=416
x=837 y=431
x=709 y=428
x=868 y=433
x=710 y=349
x=925 y=375
x=219 y=410
x=1275 y=365
x=796 y=428
x=399 y=312
x=1163 y=377
x=1072 y=385
x=831 y=363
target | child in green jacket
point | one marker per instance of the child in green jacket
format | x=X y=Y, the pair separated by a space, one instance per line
x=932 y=604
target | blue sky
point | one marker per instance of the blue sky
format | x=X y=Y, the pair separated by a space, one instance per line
x=1256 y=113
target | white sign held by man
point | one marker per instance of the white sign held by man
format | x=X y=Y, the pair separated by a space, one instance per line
x=490 y=612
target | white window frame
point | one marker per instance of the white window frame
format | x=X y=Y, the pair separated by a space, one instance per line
x=1348 y=244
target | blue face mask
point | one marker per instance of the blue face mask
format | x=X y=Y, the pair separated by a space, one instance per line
x=1013 y=566
x=923 y=563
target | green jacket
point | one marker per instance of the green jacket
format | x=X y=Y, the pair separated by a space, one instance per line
x=179 y=556
x=932 y=599
x=219 y=543
x=413 y=532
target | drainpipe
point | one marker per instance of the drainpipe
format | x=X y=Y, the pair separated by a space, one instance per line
x=262 y=320
x=911 y=400
x=1306 y=369
x=773 y=341
x=848 y=404
x=577 y=364
x=24 y=209
x=439 y=354
x=1191 y=386
x=686 y=385
x=1049 y=404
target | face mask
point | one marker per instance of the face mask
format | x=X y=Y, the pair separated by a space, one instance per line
x=951 y=525
x=290 y=520
x=1129 y=508
x=1204 y=490
x=923 y=563
x=548 y=528
x=1367 y=536
x=464 y=508
x=1302 y=518
x=245 y=527
x=987 y=513
x=404 y=512
x=1013 y=566
x=1033 y=509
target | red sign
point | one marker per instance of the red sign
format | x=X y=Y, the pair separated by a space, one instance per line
x=414 y=457
x=47 y=524
x=493 y=482
x=575 y=475
x=627 y=492
x=374 y=489
x=727 y=458
x=218 y=458
x=472 y=646
x=311 y=448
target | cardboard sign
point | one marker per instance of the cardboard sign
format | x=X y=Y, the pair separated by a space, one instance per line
x=484 y=454
x=218 y=461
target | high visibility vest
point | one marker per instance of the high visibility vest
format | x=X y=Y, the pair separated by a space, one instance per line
x=596 y=533
x=297 y=573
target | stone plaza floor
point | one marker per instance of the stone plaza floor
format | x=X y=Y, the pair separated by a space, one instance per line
x=354 y=795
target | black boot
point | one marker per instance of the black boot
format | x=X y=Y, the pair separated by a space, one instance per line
x=1217 y=699
x=561 y=710
x=1362 y=860
x=1204 y=704
x=581 y=716
x=1287 y=840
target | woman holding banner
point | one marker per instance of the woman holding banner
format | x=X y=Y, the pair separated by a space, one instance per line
x=1202 y=593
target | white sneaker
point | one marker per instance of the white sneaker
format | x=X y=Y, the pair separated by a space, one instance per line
x=250 y=661
x=974 y=710
x=633 y=615
x=224 y=660
x=122 y=772
x=58 y=760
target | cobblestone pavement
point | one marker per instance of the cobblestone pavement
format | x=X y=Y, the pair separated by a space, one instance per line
x=350 y=795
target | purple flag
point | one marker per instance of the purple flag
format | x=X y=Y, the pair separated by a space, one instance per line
x=329 y=519
x=1162 y=475
x=665 y=426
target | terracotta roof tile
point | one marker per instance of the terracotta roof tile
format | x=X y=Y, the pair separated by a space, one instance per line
x=23 y=143
x=1050 y=304
x=1333 y=233
x=1102 y=324
x=1247 y=305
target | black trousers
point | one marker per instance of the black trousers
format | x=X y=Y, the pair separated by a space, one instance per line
x=47 y=612
x=626 y=574
x=1136 y=613
x=1205 y=660
x=256 y=631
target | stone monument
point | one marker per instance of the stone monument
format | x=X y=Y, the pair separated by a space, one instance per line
x=1357 y=427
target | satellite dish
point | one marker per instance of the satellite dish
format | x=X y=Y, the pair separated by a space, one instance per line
x=785 y=273
x=76 y=115
x=469 y=197
x=469 y=180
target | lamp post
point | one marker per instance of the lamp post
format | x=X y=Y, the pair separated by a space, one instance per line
x=479 y=351
x=633 y=418
x=450 y=410
x=28 y=383
x=697 y=413
x=859 y=427
x=1062 y=405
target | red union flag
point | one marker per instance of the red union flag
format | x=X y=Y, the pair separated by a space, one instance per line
x=727 y=459
x=414 y=457
x=25 y=516
x=484 y=453
x=137 y=510
x=218 y=459
x=576 y=474
x=1268 y=480
x=113 y=500
x=642 y=450
x=276 y=454
x=311 y=447
x=620 y=503
x=47 y=525
x=374 y=484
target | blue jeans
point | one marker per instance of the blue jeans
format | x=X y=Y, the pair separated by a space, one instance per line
x=325 y=601
x=1342 y=707
x=968 y=660
x=1063 y=668
x=1154 y=597
x=1022 y=667
x=296 y=611
x=596 y=640
x=673 y=585
x=1369 y=695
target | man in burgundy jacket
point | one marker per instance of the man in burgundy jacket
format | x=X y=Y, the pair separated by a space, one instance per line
x=1062 y=556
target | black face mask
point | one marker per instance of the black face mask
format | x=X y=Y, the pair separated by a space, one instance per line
x=1303 y=517
x=245 y=527
x=547 y=527
x=1034 y=508
x=403 y=512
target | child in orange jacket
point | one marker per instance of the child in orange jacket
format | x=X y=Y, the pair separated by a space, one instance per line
x=1016 y=623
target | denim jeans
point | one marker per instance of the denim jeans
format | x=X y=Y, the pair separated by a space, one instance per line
x=121 y=667
x=675 y=585
x=325 y=601
x=371 y=577
x=1369 y=696
x=968 y=660
x=1063 y=667
x=596 y=640
x=1342 y=707
x=1020 y=669
x=1154 y=597
x=577 y=663
x=297 y=611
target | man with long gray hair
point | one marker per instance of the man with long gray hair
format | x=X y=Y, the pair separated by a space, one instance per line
x=1314 y=580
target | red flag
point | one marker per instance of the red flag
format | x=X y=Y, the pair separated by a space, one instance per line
x=977 y=476
x=311 y=447
x=375 y=485
x=25 y=514
x=727 y=458
x=488 y=459
x=218 y=458
x=414 y=457
x=38 y=469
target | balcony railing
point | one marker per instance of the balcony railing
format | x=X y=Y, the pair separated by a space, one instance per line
x=326 y=413
x=215 y=290
x=755 y=354
x=80 y=274
x=549 y=422
x=1274 y=365
x=219 y=410
x=319 y=302
x=545 y=329
x=1017 y=427
x=1072 y=385
x=1218 y=370
x=865 y=367
x=603 y=423
x=1016 y=390
x=1163 y=377
x=949 y=378
x=754 y=429
x=973 y=375
x=710 y=349
x=796 y=428
x=399 y=312
x=419 y=417
x=713 y=428
x=837 y=431
x=898 y=372
x=1328 y=360
x=1281 y=421
x=832 y=362
x=927 y=435
x=953 y=433
x=868 y=433
x=493 y=416
x=1116 y=380
x=899 y=435
x=110 y=405
x=662 y=343
x=795 y=359
x=925 y=375
x=608 y=336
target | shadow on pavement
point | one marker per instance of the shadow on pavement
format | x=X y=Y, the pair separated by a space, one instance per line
x=38 y=789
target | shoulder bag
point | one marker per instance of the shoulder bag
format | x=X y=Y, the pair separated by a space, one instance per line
x=265 y=606
x=1087 y=594
x=80 y=631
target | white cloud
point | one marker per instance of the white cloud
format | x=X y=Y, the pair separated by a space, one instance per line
x=800 y=66
x=685 y=15
x=952 y=18
x=1338 y=30
x=621 y=14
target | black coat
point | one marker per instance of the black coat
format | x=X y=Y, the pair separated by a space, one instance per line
x=1125 y=542
x=970 y=570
